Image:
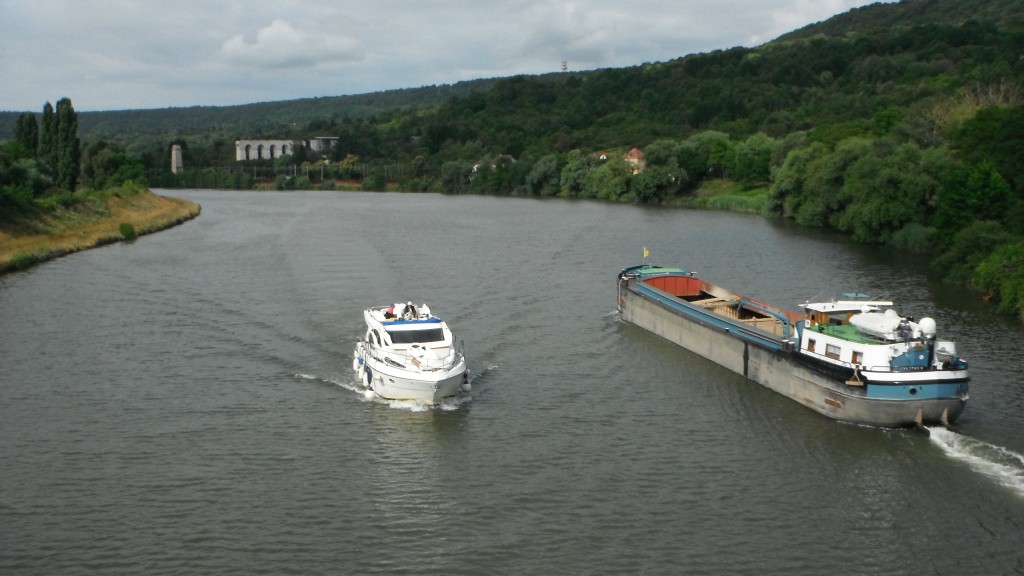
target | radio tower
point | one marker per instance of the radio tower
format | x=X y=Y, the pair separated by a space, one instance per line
x=565 y=66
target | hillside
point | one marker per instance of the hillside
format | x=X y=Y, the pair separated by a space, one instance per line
x=909 y=13
x=826 y=72
x=261 y=119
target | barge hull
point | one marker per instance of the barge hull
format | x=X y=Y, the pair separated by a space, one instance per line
x=766 y=360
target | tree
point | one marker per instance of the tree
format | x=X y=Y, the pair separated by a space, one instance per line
x=883 y=192
x=574 y=174
x=610 y=180
x=48 y=138
x=716 y=151
x=67 y=145
x=542 y=179
x=455 y=177
x=996 y=135
x=691 y=160
x=752 y=164
x=105 y=165
x=1002 y=273
x=26 y=133
x=21 y=177
x=975 y=191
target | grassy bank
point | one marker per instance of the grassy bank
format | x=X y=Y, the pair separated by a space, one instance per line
x=728 y=196
x=78 y=222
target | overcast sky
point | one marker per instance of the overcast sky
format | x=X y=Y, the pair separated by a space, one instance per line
x=130 y=54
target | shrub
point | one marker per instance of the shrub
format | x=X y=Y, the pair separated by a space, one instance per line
x=1002 y=273
x=127 y=231
x=23 y=260
x=18 y=197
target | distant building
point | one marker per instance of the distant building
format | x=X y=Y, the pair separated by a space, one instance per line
x=263 y=149
x=323 y=143
x=635 y=156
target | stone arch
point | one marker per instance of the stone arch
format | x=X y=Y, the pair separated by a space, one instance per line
x=263 y=149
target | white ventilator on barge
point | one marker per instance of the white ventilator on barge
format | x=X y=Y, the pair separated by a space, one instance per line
x=409 y=354
x=854 y=360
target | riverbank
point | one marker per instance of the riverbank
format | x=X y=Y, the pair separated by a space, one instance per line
x=40 y=234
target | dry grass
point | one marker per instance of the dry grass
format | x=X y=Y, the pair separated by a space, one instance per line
x=44 y=235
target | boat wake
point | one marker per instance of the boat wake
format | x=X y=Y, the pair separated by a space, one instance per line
x=1004 y=466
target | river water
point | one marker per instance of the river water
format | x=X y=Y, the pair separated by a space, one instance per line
x=185 y=404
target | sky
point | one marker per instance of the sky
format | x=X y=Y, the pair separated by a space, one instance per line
x=140 y=54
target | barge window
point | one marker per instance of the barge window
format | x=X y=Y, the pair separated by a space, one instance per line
x=832 y=351
x=811 y=345
x=413 y=336
x=858 y=357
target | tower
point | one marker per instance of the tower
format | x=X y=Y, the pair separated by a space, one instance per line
x=177 y=167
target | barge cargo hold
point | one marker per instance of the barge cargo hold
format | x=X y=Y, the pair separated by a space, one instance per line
x=854 y=360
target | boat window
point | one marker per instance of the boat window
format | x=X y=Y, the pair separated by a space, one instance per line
x=832 y=351
x=412 y=336
x=858 y=357
x=811 y=344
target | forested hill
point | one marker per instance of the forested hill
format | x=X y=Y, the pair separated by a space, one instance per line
x=738 y=89
x=909 y=13
x=257 y=119
x=881 y=67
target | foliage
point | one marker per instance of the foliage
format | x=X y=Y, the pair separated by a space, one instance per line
x=753 y=157
x=48 y=149
x=1002 y=273
x=68 y=154
x=106 y=165
x=969 y=248
x=973 y=191
x=21 y=177
x=127 y=231
x=543 y=178
x=26 y=133
x=375 y=182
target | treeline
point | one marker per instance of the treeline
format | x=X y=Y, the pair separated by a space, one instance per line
x=45 y=163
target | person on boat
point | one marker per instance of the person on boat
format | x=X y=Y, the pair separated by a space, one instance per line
x=390 y=312
x=410 y=312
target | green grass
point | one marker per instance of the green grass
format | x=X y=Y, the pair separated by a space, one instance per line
x=728 y=196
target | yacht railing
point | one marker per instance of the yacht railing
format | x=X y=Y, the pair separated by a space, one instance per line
x=427 y=362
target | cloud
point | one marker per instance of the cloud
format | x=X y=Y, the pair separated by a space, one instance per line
x=238 y=52
x=796 y=14
x=280 y=45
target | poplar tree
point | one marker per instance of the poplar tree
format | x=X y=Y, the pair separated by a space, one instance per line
x=26 y=133
x=67 y=145
x=47 y=153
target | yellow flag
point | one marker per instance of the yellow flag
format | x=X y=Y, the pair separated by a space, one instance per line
x=646 y=253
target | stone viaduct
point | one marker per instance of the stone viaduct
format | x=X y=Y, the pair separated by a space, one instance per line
x=262 y=149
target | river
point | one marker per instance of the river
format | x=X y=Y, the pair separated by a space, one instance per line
x=185 y=404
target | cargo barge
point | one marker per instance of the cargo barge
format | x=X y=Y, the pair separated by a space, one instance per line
x=855 y=360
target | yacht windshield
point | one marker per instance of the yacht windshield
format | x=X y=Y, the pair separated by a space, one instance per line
x=413 y=336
